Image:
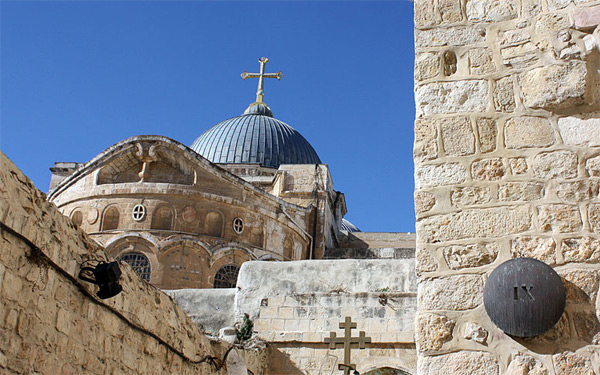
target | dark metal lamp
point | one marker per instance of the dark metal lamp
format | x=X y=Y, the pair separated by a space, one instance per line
x=105 y=275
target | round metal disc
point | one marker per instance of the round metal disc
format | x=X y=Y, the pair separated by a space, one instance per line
x=524 y=297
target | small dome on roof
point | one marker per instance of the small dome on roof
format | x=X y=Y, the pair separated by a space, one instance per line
x=255 y=137
x=348 y=226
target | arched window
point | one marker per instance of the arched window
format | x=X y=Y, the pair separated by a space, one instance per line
x=139 y=263
x=162 y=218
x=77 y=218
x=288 y=248
x=110 y=219
x=226 y=276
x=213 y=226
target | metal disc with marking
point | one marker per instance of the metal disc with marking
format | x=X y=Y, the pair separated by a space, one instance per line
x=524 y=297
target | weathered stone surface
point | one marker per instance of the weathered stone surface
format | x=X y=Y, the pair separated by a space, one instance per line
x=524 y=132
x=439 y=175
x=210 y=309
x=554 y=86
x=473 y=223
x=452 y=36
x=457 y=292
x=580 y=131
x=487 y=130
x=504 y=95
x=426 y=147
x=491 y=10
x=556 y=164
x=523 y=364
x=511 y=37
x=461 y=363
x=581 y=285
x=470 y=195
x=558 y=4
x=452 y=97
x=520 y=191
x=475 y=332
x=488 y=169
x=467 y=256
x=518 y=166
x=592 y=166
x=457 y=136
x=427 y=65
x=519 y=56
x=587 y=326
x=581 y=250
x=594 y=217
x=424 y=201
x=540 y=248
x=481 y=61
x=568 y=363
x=560 y=218
x=586 y=18
x=530 y=9
x=450 y=10
x=549 y=24
x=449 y=62
x=425 y=261
x=432 y=331
x=425 y=14
x=575 y=191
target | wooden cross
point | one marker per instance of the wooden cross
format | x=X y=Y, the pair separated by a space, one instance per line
x=347 y=325
x=261 y=78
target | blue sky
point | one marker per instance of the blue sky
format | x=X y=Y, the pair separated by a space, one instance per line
x=79 y=76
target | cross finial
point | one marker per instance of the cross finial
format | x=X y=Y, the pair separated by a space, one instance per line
x=347 y=325
x=261 y=78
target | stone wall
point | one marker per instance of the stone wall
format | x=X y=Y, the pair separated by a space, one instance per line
x=506 y=165
x=52 y=323
x=295 y=305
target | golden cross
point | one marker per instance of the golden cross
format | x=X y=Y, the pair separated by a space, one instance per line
x=347 y=325
x=261 y=78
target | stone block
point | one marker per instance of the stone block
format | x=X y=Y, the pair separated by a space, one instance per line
x=426 y=14
x=472 y=255
x=520 y=191
x=474 y=223
x=549 y=24
x=426 y=147
x=475 y=332
x=567 y=363
x=460 y=363
x=470 y=195
x=594 y=217
x=524 y=364
x=439 y=175
x=554 y=87
x=451 y=36
x=452 y=97
x=580 y=131
x=450 y=11
x=449 y=63
x=487 y=130
x=424 y=202
x=540 y=248
x=512 y=37
x=561 y=218
x=587 y=18
x=530 y=9
x=587 y=326
x=525 y=132
x=576 y=191
x=504 y=95
x=432 y=331
x=581 y=250
x=425 y=261
x=592 y=166
x=488 y=169
x=518 y=166
x=519 y=56
x=457 y=136
x=556 y=164
x=427 y=65
x=558 y=4
x=491 y=10
x=11 y=286
x=581 y=285
x=481 y=61
x=457 y=292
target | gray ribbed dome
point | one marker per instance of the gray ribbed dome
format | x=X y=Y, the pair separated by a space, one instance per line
x=255 y=138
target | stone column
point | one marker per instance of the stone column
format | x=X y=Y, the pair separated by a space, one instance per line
x=507 y=164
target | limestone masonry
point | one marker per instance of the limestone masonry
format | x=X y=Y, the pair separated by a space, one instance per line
x=506 y=165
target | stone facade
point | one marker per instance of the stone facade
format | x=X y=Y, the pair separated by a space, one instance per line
x=506 y=165
x=53 y=323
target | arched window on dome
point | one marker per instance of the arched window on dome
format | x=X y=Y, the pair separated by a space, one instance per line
x=139 y=263
x=110 y=218
x=162 y=218
x=226 y=276
x=77 y=217
x=213 y=226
